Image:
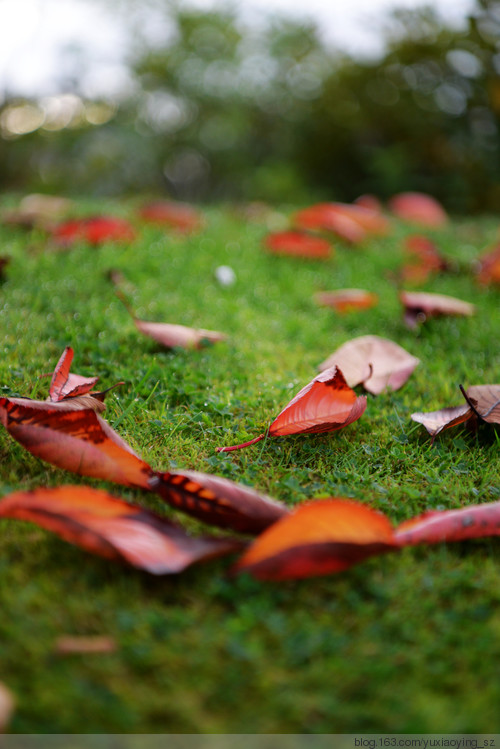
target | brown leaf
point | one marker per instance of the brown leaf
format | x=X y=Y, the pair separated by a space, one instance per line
x=298 y=244
x=114 y=529
x=38 y=210
x=7 y=707
x=75 y=440
x=345 y=300
x=376 y=362
x=485 y=400
x=421 y=305
x=170 y=335
x=218 y=501
x=70 y=644
x=326 y=404
x=436 y=421
x=318 y=538
x=418 y=208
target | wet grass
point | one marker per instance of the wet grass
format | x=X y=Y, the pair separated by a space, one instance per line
x=406 y=643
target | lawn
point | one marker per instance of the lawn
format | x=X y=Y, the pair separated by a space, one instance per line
x=401 y=643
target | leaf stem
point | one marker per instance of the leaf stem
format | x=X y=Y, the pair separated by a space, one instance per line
x=243 y=444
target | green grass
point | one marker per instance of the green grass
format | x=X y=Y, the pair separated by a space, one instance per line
x=403 y=643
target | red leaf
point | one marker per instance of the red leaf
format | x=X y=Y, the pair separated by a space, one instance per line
x=489 y=267
x=376 y=362
x=66 y=385
x=346 y=300
x=298 y=244
x=475 y=521
x=324 y=405
x=325 y=217
x=94 y=230
x=418 y=208
x=218 y=501
x=421 y=305
x=318 y=538
x=180 y=216
x=114 y=529
x=75 y=440
x=369 y=201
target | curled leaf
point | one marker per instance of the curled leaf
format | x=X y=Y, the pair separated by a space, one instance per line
x=376 y=362
x=326 y=404
x=114 y=529
x=482 y=403
x=436 y=421
x=66 y=385
x=421 y=305
x=75 y=440
x=298 y=244
x=345 y=300
x=218 y=501
x=170 y=335
x=419 y=208
x=318 y=538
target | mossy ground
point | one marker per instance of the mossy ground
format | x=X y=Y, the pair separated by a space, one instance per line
x=403 y=643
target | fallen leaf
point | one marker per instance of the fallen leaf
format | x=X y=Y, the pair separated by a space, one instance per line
x=426 y=259
x=419 y=208
x=421 y=305
x=7 y=706
x=369 y=201
x=218 y=501
x=325 y=217
x=318 y=538
x=482 y=403
x=75 y=440
x=171 y=335
x=376 y=362
x=346 y=300
x=489 y=267
x=436 y=421
x=94 y=230
x=476 y=521
x=326 y=404
x=114 y=529
x=37 y=210
x=66 y=385
x=70 y=644
x=179 y=216
x=298 y=244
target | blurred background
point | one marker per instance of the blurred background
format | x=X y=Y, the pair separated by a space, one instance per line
x=252 y=101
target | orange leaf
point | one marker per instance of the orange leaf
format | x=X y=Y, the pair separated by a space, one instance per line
x=421 y=305
x=324 y=405
x=64 y=384
x=489 y=267
x=325 y=216
x=475 y=521
x=114 y=529
x=218 y=501
x=345 y=300
x=376 y=362
x=318 y=538
x=75 y=440
x=418 y=208
x=298 y=244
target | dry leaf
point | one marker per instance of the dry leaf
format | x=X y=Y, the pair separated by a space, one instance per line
x=346 y=300
x=318 y=538
x=482 y=403
x=94 y=230
x=419 y=208
x=324 y=405
x=376 y=362
x=489 y=267
x=70 y=644
x=170 y=335
x=436 y=421
x=38 y=210
x=298 y=244
x=114 y=529
x=426 y=259
x=331 y=535
x=75 y=440
x=218 y=501
x=421 y=305
x=325 y=217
